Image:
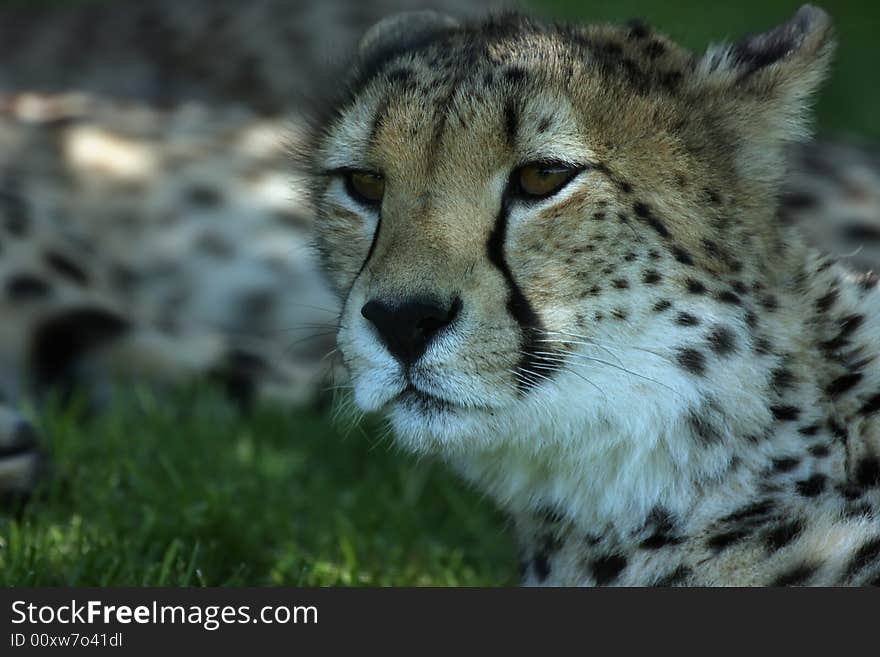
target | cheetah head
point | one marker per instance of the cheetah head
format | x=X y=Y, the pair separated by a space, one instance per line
x=541 y=231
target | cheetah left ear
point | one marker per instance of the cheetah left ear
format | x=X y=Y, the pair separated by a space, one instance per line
x=399 y=33
x=760 y=89
x=780 y=68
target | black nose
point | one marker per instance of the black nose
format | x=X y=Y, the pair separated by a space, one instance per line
x=407 y=328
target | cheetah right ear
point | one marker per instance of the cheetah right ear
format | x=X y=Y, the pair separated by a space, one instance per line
x=773 y=74
x=761 y=86
x=400 y=33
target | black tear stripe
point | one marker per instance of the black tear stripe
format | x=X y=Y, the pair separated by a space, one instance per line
x=518 y=306
x=367 y=259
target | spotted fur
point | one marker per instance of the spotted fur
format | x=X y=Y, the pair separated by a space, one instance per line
x=658 y=380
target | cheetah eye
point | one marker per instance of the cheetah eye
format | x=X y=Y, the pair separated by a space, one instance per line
x=541 y=180
x=365 y=187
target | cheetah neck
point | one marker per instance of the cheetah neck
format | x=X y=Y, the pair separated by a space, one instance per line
x=651 y=452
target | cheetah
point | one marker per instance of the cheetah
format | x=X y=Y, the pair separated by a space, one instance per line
x=562 y=273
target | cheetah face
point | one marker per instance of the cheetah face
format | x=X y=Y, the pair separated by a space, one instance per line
x=537 y=229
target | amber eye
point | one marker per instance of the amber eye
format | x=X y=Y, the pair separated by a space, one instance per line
x=365 y=187
x=542 y=180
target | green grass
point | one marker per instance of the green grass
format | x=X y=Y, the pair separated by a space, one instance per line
x=187 y=491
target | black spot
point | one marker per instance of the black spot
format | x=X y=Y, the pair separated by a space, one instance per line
x=813 y=486
x=645 y=214
x=606 y=569
x=619 y=313
x=722 y=341
x=598 y=216
x=838 y=430
x=820 y=451
x=763 y=346
x=750 y=512
x=695 y=286
x=871 y=405
x=544 y=125
x=724 y=540
x=842 y=383
x=778 y=537
x=621 y=284
x=869 y=280
x=728 y=297
x=861 y=233
x=847 y=325
x=810 y=430
x=541 y=566
x=65 y=337
x=659 y=540
x=781 y=379
x=691 y=360
x=686 y=319
x=739 y=287
x=682 y=256
x=786 y=464
x=868 y=472
x=651 y=277
x=851 y=492
x=516 y=74
x=66 y=267
x=798 y=200
x=204 y=195
x=785 y=413
x=26 y=287
x=664 y=304
x=868 y=553
x=769 y=303
x=796 y=576
x=702 y=427
x=825 y=302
